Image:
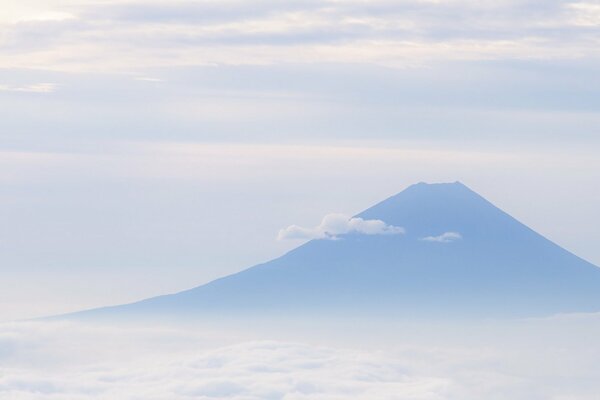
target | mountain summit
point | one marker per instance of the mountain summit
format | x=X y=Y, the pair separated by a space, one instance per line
x=459 y=255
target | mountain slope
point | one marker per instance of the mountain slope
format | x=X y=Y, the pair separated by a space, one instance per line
x=498 y=267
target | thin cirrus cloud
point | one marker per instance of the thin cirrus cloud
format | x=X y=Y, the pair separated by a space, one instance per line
x=405 y=34
x=334 y=225
x=31 y=88
x=446 y=237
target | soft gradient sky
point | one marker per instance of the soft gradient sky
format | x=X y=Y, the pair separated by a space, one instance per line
x=149 y=146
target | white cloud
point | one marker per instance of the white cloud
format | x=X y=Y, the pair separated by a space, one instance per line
x=57 y=360
x=585 y=14
x=407 y=33
x=148 y=79
x=78 y=361
x=48 y=16
x=32 y=88
x=334 y=225
x=446 y=237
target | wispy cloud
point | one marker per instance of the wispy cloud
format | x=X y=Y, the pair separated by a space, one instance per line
x=446 y=237
x=31 y=88
x=585 y=14
x=148 y=79
x=334 y=225
x=47 y=16
x=407 y=33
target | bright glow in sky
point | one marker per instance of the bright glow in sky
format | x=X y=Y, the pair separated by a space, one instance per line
x=148 y=146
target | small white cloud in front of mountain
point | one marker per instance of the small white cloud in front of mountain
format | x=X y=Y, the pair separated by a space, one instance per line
x=334 y=225
x=446 y=237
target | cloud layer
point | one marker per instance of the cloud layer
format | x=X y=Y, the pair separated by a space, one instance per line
x=57 y=361
x=253 y=370
x=334 y=225
x=162 y=33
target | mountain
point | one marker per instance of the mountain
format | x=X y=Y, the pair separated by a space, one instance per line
x=459 y=255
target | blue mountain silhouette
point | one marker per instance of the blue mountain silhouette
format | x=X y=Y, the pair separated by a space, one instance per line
x=498 y=267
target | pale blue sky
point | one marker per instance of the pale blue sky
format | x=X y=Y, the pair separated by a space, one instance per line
x=148 y=146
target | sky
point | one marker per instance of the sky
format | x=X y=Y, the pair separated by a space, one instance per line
x=150 y=146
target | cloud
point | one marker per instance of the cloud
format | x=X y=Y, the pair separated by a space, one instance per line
x=148 y=79
x=57 y=360
x=446 y=237
x=585 y=14
x=32 y=88
x=162 y=33
x=47 y=16
x=334 y=225
x=78 y=361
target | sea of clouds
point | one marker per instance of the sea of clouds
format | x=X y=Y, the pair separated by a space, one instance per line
x=553 y=358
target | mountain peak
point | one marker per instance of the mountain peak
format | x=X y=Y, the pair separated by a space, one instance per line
x=438 y=187
x=431 y=209
x=423 y=183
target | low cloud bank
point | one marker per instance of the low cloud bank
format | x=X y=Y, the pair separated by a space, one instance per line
x=53 y=360
x=334 y=225
x=83 y=362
